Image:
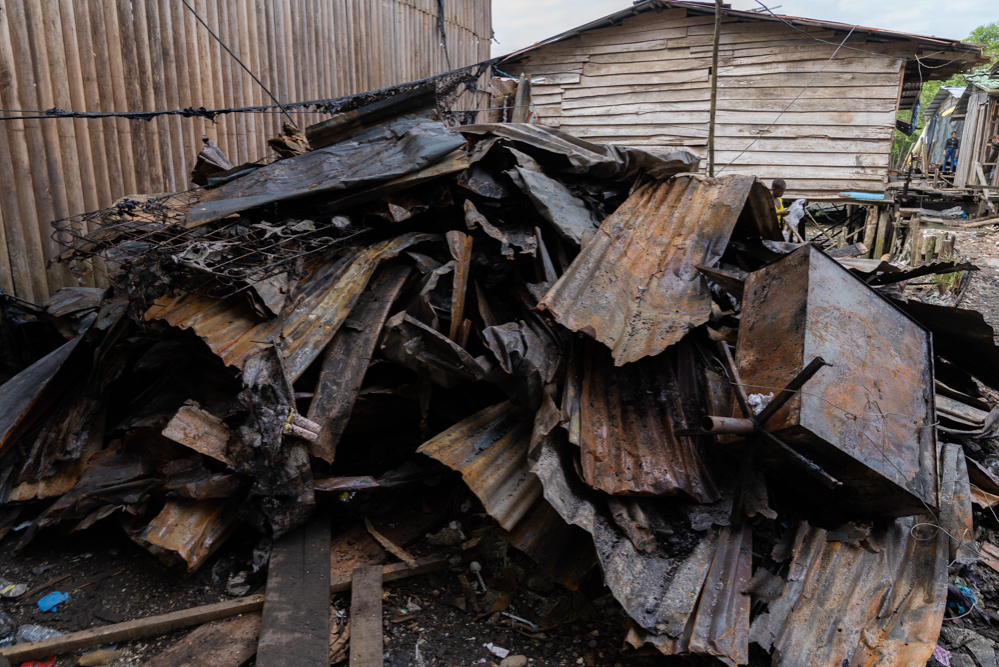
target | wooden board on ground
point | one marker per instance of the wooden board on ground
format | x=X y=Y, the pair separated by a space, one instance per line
x=229 y=642
x=366 y=617
x=143 y=627
x=294 y=628
x=355 y=547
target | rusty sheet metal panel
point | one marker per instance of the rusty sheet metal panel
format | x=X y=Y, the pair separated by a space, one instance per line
x=867 y=419
x=23 y=397
x=564 y=552
x=720 y=626
x=627 y=420
x=375 y=155
x=186 y=532
x=320 y=304
x=658 y=589
x=877 y=602
x=489 y=449
x=634 y=286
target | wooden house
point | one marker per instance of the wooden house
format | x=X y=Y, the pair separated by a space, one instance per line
x=812 y=102
x=978 y=159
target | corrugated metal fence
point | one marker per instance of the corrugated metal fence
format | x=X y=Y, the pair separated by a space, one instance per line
x=132 y=55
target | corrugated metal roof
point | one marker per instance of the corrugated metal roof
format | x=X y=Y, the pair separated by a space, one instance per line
x=634 y=287
x=320 y=304
x=489 y=449
x=659 y=589
x=707 y=8
x=628 y=416
x=872 y=600
x=720 y=626
x=943 y=95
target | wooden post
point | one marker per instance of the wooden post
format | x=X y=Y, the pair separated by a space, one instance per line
x=714 y=90
x=523 y=100
x=870 y=227
x=929 y=248
x=915 y=241
x=878 y=247
x=946 y=247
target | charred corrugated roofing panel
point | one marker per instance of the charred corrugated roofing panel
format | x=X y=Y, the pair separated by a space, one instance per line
x=628 y=416
x=860 y=597
x=489 y=449
x=634 y=287
x=320 y=304
x=659 y=589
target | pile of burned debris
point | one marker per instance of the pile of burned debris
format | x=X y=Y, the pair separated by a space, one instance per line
x=636 y=377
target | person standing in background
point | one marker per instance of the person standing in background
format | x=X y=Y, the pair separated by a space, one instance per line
x=950 y=152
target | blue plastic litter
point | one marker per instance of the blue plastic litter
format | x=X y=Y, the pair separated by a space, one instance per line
x=50 y=601
x=869 y=196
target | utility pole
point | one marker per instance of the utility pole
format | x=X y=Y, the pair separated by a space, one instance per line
x=714 y=90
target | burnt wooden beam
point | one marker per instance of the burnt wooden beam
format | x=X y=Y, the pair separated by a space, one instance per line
x=295 y=626
x=366 y=617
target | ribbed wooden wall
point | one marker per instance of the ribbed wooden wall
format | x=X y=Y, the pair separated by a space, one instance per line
x=133 y=55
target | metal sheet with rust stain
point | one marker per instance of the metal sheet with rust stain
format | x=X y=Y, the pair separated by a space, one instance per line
x=563 y=551
x=628 y=416
x=347 y=357
x=720 y=625
x=320 y=304
x=658 y=589
x=634 y=287
x=489 y=449
x=873 y=405
x=186 y=532
x=856 y=605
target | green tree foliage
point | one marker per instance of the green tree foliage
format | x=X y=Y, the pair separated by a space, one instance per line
x=988 y=35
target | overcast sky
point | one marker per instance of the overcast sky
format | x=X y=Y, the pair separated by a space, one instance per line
x=520 y=23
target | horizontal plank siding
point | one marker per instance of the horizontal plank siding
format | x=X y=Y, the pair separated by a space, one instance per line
x=786 y=106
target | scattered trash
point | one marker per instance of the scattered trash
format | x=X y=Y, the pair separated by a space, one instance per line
x=35 y=633
x=514 y=661
x=498 y=651
x=238 y=584
x=7 y=630
x=450 y=535
x=52 y=600
x=9 y=589
x=760 y=401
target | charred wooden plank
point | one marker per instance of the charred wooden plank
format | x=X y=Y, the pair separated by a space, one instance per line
x=294 y=628
x=366 y=617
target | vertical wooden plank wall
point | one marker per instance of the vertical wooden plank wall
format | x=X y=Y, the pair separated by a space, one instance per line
x=135 y=55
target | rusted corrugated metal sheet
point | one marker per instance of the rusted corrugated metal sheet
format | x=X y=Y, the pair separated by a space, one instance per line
x=489 y=449
x=659 y=589
x=564 y=552
x=315 y=312
x=720 y=626
x=878 y=600
x=628 y=416
x=634 y=286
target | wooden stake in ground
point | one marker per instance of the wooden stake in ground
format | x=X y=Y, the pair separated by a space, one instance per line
x=366 y=617
x=294 y=629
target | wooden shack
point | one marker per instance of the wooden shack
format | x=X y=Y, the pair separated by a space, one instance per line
x=149 y=55
x=978 y=160
x=792 y=103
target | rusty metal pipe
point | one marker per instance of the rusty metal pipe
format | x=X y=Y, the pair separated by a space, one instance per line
x=730 y=425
